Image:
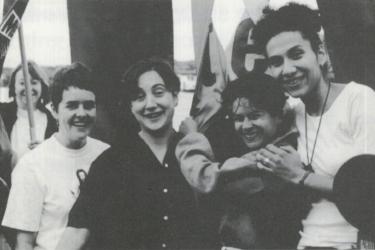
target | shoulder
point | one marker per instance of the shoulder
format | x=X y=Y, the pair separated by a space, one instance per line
x=96 y=145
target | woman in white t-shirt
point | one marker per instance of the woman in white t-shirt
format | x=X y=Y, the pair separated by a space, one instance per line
x=335 y=121
x=15 y=113
x=45 y=182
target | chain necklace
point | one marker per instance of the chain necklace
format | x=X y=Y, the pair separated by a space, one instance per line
x=309 y=160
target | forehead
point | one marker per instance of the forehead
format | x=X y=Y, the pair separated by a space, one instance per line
x=77 y=94
x=281 y=43
x=149 y=79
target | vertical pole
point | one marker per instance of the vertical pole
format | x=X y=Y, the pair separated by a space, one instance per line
x=25 y=69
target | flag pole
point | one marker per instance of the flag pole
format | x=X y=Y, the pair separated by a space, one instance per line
x=25 y=69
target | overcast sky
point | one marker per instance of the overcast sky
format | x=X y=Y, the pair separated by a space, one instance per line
x=47 y=37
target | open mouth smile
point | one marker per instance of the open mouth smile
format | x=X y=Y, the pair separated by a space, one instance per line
x=153 y=115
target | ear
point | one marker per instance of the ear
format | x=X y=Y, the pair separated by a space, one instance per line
x=175 y=98
x=54 y=112
x=322 y=56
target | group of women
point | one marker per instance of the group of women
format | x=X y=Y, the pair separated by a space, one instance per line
x=274 y=191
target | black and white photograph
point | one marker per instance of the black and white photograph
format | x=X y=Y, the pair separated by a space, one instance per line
x=187 y=124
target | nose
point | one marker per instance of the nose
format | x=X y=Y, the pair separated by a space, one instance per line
x=150 y=102
x=247 y=124
x=288 y=68
x=81 y=111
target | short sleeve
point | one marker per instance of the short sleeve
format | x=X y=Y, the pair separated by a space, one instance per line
x=25 y=202
x=363 y=120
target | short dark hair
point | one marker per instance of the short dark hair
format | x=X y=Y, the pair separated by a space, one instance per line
x=260 y=89
x=75 y=75
x=292 y=17
x=36 y=73
x=162 y=67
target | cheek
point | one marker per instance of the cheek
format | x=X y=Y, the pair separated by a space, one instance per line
x=237 y=126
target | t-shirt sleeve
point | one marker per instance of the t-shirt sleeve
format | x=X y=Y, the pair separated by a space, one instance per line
x=25 y=202
x=92 y=193
x=363 y=121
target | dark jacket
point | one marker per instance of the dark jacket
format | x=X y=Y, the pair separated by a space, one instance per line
x=8 y=111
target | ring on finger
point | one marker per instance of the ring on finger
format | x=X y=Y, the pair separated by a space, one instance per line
x=266 y=161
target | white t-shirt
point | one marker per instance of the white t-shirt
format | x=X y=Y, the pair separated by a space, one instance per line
x=347 y=129
x=20 y=135
x=45 y=187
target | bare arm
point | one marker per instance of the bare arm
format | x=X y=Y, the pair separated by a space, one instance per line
x=285 y=162
x=73 y=239
x=25 y=240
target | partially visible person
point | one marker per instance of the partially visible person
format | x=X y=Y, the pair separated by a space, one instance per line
x=336 y=121
x=46 y=181
x=15 y=113
x=135 y=196
x=255 y=205
x=6 y=165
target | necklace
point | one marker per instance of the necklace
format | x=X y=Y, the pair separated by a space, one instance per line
x=309 y=160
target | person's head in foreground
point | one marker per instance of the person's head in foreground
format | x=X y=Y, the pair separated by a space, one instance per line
x=256 y=104
x=38 y=85
x=152 y=88
x=74 y=104
x=296 y=57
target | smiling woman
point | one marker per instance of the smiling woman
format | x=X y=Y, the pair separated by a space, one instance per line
x=15 y=114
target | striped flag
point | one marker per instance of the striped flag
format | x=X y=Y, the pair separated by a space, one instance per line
x=8 y=27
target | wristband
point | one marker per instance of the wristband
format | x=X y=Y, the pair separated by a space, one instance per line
x=304 y=177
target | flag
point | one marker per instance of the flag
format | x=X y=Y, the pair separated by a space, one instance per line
x=224 y=53
x=8 y=27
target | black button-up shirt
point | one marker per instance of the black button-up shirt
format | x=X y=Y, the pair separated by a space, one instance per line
x=131 y=200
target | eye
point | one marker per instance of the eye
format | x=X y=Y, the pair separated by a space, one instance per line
x=72 y=105
x=255 y=115
x=89 y=105
x=35 y=82
x=238 y=118
x=159 y=91
x=275 y=61
x=140 y=96
x=296 y=54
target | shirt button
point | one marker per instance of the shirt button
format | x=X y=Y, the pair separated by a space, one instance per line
x=163 y=245
x=166 y=165
x=165 y=218
x=165 y=190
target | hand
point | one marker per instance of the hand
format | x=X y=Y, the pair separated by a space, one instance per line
x=33 y=145
x=282 y=161
x=188 y=126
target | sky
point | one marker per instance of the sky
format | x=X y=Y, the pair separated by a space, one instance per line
x=47 y=35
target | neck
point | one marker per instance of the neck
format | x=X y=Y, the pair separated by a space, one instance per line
x=160 y=138
x=77 y=144
x=315 y=100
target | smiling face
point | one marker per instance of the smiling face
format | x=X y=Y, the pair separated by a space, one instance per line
x=154 y=105
x=256 y=127
x=76 y=115
x=20 y=90
x=293 y=62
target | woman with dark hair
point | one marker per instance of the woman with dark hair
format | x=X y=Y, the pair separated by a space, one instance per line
x=336 y=121
x=135 y=196
x=15 y=113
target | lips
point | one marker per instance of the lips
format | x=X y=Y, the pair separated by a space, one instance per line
x=251 y=135
x=293 y=83
x=153 y=115
x=81 y=123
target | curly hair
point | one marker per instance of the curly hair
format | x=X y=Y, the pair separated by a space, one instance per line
x=262 y=91
x=292 y=17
